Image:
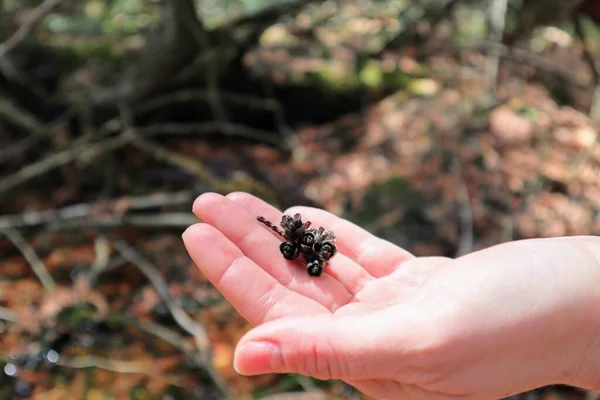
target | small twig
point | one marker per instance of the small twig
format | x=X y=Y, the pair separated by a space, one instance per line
x=9 y=315
x=525 y=56
x=188 y=164
x=164 y=220
x=31 y=256
x=102 y=247
x=588 y=56
x=181 y=317
x=118 y=366
x=59 y=159
x=27 y=28
x=497 y=18
x=19 y=147
x=37 y=133
x=84 y=212
x=587 y=53
x=174 y=339
x=196 y=168
x=12 y=112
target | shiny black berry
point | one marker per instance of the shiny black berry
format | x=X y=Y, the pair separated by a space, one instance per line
x=289 y=250
x=314 y=268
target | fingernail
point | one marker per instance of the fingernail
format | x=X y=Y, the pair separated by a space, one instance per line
x=257 y=358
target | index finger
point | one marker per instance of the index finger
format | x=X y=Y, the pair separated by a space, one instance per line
x=255 y=294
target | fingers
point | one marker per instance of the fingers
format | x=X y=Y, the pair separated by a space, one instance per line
x=262 y=247
x=377 y=256
x=326 y=347
x=347 y=272
x=255 y=294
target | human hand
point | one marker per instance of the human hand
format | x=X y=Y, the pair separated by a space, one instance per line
x=487 y=325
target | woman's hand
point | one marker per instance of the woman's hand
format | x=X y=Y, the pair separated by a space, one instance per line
x=484 y=326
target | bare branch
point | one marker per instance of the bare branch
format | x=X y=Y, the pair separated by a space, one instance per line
x=94 y=214
x=181 y=317
x=9 y=315
x=27 y=28
x=31 y=256
x=10 y=111
x=59 y=159
x=525 y=56
x=37 y=133
x=102 y=259
x=497 y=19
x=119 y=366
x=163 y=220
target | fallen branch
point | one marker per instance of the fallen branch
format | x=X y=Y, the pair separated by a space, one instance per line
x=6 y=314
x=101 y=260
x=174 y=339
x=172 y=220
x=497 y=18
x=118 y=366
x=31 y=256
x=83 y=152
x=195 y=167
x=27 y=28
x=98 y=213
x=11 y=112
x=181 y=317
x=36 y=133
x=526 y=56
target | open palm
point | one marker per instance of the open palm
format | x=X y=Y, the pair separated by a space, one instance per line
x=242 y=259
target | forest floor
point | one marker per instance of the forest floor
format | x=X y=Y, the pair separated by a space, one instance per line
x=88 y=290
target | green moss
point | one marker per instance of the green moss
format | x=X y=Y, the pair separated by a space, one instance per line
x=395 y=192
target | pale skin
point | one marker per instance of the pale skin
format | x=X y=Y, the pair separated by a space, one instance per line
x=487 y=325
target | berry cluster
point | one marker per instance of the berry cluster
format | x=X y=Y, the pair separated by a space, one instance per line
x=316 y=245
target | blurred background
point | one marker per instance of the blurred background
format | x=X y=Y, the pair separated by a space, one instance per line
x=444 y=126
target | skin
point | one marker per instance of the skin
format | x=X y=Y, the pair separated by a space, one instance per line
x=487 y=325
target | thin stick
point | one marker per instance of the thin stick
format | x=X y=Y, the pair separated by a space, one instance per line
x=83 y=212
x=497 y=18
x=102 y=248
x=588 y=56
x=27 y=28
x=59 y=159
x=9 y=315
x=31 y=256
x=180 y=316
x=270 y=225
x=183 y=320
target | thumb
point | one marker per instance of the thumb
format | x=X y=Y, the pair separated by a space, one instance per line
x=323 y=346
